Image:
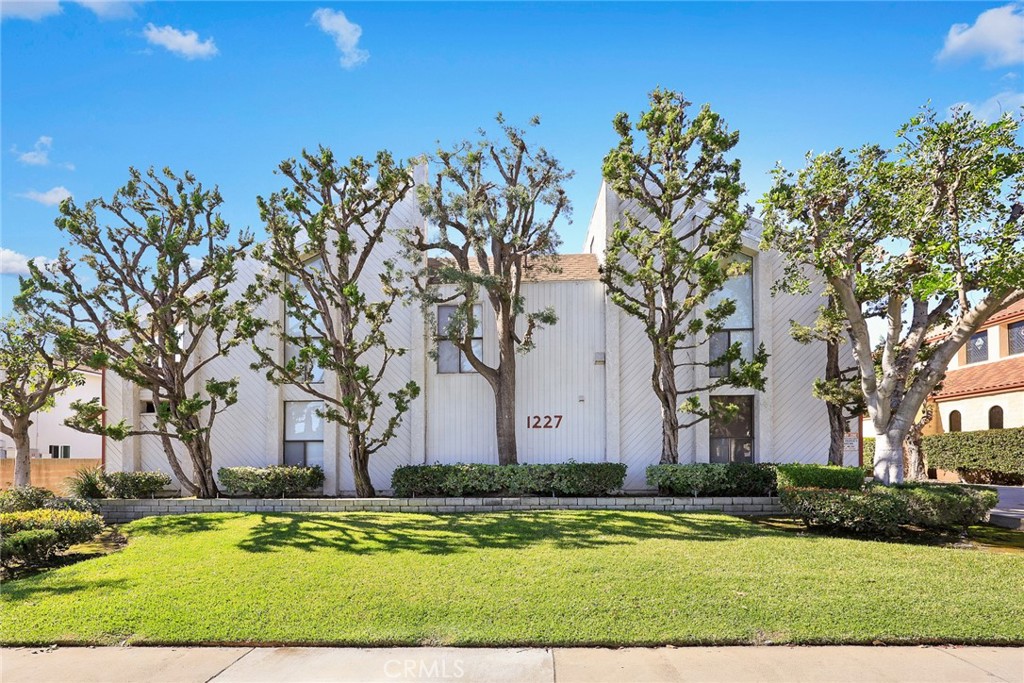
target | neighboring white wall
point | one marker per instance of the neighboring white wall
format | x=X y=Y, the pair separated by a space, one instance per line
x=974 y=411
x=48 y=426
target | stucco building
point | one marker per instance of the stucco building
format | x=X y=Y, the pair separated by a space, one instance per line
x=583 y=393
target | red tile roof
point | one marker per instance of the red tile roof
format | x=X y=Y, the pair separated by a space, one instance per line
x=567 y=268
x=1011 y=313
x=984 y=378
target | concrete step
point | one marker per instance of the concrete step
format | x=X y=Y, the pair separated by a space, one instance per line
x=1006 y=521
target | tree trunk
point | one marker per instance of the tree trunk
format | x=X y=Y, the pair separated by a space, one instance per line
x=916 y=470
x=505 y=415
x=202 y=470
x=889 y=456
x=665 y=389
x=360 y=465
x=837 y=434
x=23 y=453
x=172 y=460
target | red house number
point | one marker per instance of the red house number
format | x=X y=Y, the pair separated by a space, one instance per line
x=543 y=421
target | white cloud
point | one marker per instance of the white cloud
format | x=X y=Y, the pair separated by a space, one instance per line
x=33 y=10
x=346 y=36
x=997 y=35
x=51 y=197
x=13 y=263
x=183 y=43
x=110 y=9
x=40 y=154
x=995 y=106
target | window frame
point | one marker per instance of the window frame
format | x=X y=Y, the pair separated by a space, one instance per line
x=1010 y=327
x=733 y=440
x=290 y=348
x=60 y=452
x=720 y=371
x=285 y=440
x=983 y=334
x=464 y=368
x=996 y=414
x=958 y=426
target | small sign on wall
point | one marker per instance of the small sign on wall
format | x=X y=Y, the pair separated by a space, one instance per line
x=851 y=446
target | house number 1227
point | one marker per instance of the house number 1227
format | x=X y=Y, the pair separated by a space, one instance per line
x=543 y=421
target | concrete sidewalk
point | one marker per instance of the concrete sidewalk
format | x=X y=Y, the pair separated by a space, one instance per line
x=591 y=665
x=1009 y=512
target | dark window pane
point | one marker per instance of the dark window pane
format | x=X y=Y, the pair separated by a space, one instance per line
x=1016 y=334
x=995 y=417
x=742 y=450
x=295 y=453
x=954 y=421
x=720 y=449
x=977 y=347
x=444 y=313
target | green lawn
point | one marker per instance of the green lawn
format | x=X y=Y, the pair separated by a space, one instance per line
x=554 y=578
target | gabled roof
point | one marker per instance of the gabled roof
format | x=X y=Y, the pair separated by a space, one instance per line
x=567 y=268
x=983 y=378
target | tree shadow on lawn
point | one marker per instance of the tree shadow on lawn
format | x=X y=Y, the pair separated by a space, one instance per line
x=363 y=533
x=36 y=585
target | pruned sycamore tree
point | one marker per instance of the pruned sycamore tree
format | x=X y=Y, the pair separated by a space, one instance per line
x=323 y=231
x=668 y=272
x=39 y=359
x=926 y=237
x=151 y=281
x=493 y=206
x=839 y=385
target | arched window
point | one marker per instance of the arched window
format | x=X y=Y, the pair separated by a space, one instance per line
x=995 y=417
x=954 y=421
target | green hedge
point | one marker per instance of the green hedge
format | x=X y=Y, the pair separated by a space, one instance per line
x=981 y=454
x=869 y=454
x=882 y=510
x=820 y=476
x=562 y=479
x=93 y=483
x=713 y=479
x=31 y=547
x=21 y=498
x=271 y=482
x=71 y=526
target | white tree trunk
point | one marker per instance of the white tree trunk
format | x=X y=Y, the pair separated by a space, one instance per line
x=889 y=457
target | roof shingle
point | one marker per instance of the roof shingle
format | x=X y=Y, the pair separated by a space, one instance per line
x=984 y=378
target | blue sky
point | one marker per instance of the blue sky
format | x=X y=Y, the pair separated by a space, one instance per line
x=90 y=88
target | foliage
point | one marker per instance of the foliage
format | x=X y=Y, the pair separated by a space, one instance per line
x=71 y=526
x=73 y=503
x=820 y=476
x=495 y=205
x=562 y=479
x=39 y=357
x=20 y=498
x=134 y=484
x=998 y=451
x=153 y=283
x=873 y=511
x=938 y=506
x=926 y=237
x=271 y=482
x=323 y=230
x=580 y=578
x=869 y=454
x=883 y=510
x=31 y=547
x=713 y=479
x=87 y=482
x=667 y=269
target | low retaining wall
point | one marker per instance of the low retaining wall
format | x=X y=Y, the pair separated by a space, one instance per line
x=117 y=511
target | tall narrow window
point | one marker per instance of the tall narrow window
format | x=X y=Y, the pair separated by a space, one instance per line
x=738 y=327
x=1015 y=334
x=303 y=434
x=733 y=440
x=293 y=328
x=995 y=417
x=954 y=421
x=977 y=347
x=450 y=358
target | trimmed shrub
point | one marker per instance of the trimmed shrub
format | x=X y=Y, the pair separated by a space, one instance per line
x=952 y=507
x=561 y=479
x=20 y=498
x=876 y=510
x=87 y=483
x=713 y=479
x=819 y=476
x=134 y=484
x=869 y=454
x=73 y=503
x=882 y=510
x=991 y=455
x=71 y=526
x=30 y=547
x=271 y=482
